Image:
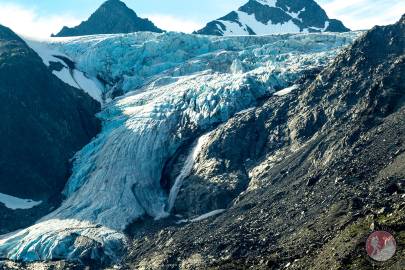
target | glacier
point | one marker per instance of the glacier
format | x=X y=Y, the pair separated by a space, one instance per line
x=159 y=91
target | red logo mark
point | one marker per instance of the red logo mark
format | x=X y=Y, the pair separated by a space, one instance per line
x=381 y=246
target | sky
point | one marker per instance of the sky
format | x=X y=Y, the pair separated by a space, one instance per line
x=41 y=18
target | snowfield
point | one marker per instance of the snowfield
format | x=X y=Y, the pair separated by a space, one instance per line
x=249 y=21
x=175 y=87
x=72 y=77
x=283 y=18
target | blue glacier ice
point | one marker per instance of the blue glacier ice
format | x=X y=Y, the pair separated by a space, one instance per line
x=175 y=87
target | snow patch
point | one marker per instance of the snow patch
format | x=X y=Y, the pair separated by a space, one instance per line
x=286 y=91
x=202 y=217
x=208 y=215
x=249 y=21
x=233 y=29
x=270 y=3
x=267 y=29
x=320 y=29
x=15 y=203
x=89 y=85
x=74 y=77
x=246 y=110
x=296 y=15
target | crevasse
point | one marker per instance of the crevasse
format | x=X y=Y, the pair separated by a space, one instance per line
x=176 y=86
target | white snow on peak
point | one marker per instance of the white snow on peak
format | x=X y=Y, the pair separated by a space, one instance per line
x=249 y=21
x=270 y=3
x=15 y=203
x=296 y=15
x=246 y=22
x=232 y=29
x=176 y=86
x=327 y=23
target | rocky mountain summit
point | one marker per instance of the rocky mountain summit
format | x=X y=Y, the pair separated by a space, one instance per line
x=111 y=17
x=44 y=123
x=265 y=17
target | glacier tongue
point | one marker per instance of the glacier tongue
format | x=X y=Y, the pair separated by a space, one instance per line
x=177 y=86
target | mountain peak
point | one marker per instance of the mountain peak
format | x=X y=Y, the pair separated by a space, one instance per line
x=402 y=20
x=61 y=121
x=7 y=34
x=263 y=17
x=112 y=17
x=114 y=3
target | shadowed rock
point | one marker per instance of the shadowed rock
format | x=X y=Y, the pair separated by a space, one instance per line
x=44 y=123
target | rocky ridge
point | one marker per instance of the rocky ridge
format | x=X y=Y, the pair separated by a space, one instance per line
x=44 y=122
x=265 y=17
x=112 y=17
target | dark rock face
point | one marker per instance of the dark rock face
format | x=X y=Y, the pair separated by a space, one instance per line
x=311 y=17
x=320 y=165
x=44 y=122
x=113 y=17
